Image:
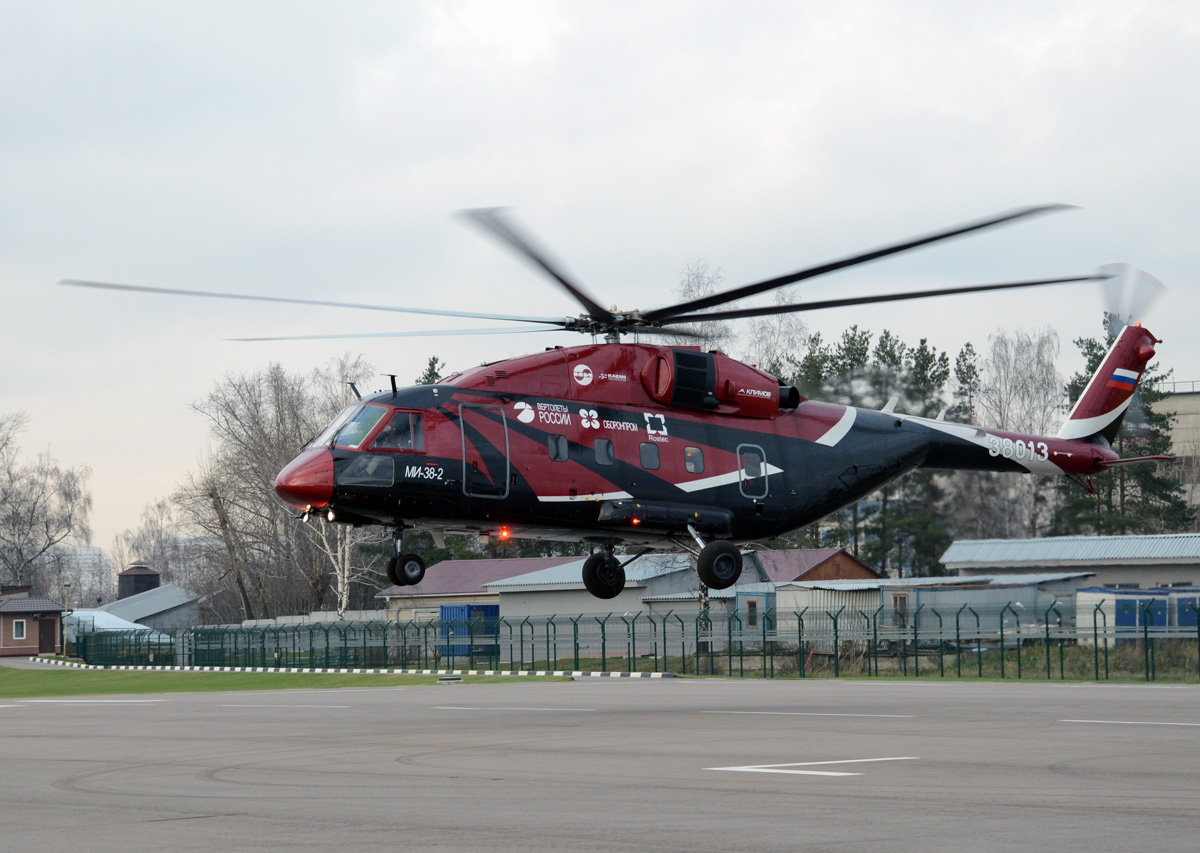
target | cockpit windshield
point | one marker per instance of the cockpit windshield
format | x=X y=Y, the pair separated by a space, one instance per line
x=352 y=426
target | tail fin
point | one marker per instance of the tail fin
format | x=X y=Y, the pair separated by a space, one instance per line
x=1101 y=408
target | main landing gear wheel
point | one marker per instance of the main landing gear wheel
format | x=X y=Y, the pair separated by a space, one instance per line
x=603 y=575
x=406 y=570
x=719 y=564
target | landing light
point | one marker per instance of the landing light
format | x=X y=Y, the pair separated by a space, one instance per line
x=329 y=515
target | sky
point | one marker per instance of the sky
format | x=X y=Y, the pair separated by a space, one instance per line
x=319 y=150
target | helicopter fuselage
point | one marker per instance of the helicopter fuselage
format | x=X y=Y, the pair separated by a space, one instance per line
x=634 y=444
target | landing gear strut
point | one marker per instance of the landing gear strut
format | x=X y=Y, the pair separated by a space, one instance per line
x=603 y=575
x=404 y=569
x=719 y=563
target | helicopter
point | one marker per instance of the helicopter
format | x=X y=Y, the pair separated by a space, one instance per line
x=642 y=445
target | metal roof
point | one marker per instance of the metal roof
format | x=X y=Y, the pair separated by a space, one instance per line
x=571 y=574
x=1060 y=550
x=149 y=603
x=471 y=577
x=949 y=582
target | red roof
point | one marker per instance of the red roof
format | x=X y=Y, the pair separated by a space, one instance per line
x=467 y=577
x=783 y=566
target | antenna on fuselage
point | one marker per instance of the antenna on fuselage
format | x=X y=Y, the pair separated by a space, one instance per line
x=392 y=377
x=354 y=388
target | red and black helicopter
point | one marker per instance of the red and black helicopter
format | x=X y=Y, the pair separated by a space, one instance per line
x=664 y=447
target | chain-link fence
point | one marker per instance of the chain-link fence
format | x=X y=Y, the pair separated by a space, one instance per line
x=969 y=642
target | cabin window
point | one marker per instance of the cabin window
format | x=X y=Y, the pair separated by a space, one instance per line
x=693 y=460
x=18 y=629
x=604 y=452
x=359 y=426
x=558 y=447
x=649 y=455
x=369 y=470
x=403 y=432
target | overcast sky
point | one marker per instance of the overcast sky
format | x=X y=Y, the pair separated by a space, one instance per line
x=318 y=149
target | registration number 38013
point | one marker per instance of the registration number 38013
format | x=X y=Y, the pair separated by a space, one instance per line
x=1018 y=449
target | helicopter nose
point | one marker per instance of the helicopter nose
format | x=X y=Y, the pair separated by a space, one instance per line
x=307 y=481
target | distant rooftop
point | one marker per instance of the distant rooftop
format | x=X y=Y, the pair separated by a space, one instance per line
x=1068 y=550
x=149 y=603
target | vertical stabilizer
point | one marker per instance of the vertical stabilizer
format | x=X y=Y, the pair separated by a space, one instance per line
x=1102 y=405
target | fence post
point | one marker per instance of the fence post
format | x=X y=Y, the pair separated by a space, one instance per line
x=575 y=639
x=917 y=640
x=1147 y=641
x=551 y=660
x=631 y=648
x=1046 y=620
x=1017 y=626
x=682 y=645
x=767 y=614
x=603 y=642
x=800 y=643
x=940 y=642
x=837 y=651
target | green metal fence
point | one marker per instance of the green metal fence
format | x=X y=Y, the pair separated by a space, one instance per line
x=967 y=642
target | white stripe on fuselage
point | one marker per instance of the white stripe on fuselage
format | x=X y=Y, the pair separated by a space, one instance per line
x=838 y=431
x=721 y=480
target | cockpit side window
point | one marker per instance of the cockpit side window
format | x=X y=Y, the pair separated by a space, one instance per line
x=359 y=426
x=403 y=432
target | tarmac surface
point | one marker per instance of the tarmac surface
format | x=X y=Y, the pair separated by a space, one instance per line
x=600 y=765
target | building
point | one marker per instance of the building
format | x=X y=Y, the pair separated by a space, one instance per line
x=29 y=625
x=165 y=608
x=459 y=582
x=666 y=583
x=1120 y=562
x=1183 y=401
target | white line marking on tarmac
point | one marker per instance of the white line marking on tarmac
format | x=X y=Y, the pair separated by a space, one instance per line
x=562 y=710
x=282 y=707
x=96 y=701
x=1128 y=723
x=782 y=768
x=810 y=714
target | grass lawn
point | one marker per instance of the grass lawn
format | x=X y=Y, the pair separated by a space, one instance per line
x=31 y=683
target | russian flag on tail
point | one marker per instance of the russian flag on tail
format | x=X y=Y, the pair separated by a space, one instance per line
x=1122 y=378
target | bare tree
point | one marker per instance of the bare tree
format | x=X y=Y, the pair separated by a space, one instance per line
x=260 y=560
x=777 y=342
x=41 y=506
x=697 y=279
x=1019 y=389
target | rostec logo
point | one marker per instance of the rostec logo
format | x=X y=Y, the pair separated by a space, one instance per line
x=583 y=374
x=655 y=424
x=590 y=418
x=524 y=412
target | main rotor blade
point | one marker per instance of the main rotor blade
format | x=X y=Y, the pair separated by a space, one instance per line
x=491 y=220
x=328 y=304
x=768 y=310
x=504 y=330
x=673 y=311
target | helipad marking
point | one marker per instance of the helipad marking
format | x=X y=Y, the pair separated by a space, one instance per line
x=782 y=768
x=1128 y=723
x=811 y=714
